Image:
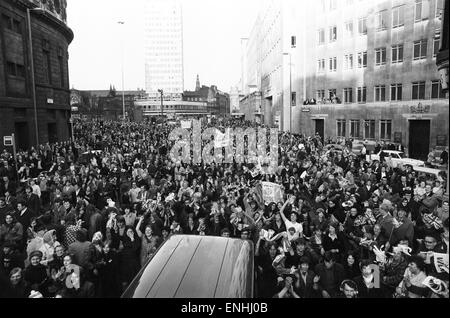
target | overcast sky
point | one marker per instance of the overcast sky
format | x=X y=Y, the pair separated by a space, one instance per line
x=212 y=32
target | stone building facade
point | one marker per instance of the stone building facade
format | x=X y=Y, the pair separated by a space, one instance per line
x=50 y=37
x=367 y=68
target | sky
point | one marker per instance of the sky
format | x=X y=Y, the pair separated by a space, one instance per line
x=212 y=32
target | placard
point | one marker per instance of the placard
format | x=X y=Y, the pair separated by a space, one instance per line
x=186 y=124
x=272 y=192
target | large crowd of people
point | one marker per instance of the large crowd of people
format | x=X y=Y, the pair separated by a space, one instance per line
x=80 y=218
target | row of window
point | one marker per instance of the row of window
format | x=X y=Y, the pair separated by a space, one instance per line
x=419 y=52
x=396 y=92
x=421 y=13
x=18 y=70
x=367 y=131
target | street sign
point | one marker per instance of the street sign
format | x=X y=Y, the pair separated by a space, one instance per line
x=8 y=141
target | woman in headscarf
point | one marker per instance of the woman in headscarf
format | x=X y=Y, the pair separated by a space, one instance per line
x=48 y=249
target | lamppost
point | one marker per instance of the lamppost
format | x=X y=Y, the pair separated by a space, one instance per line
x=290 y=90
x=162 y=101
x=123 y=85
x=33 y=80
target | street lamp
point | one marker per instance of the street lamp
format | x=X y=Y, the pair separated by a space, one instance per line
x=123 y=85
x=162 y=103
x=33 y=80
x=290 y=90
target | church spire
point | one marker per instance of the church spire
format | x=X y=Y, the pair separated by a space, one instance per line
x=197 y=84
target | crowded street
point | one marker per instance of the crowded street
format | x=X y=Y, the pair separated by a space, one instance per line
x=79 y=219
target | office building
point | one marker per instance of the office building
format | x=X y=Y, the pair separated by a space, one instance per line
x=164 y=48
x=358 y=69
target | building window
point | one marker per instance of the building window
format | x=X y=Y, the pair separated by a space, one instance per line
x=332 y=93
x=293 y=98
x=385 y=129
x=362 y=59
x=436 y=44
x=369 y=129
x=333 y=33
x=398 y=18
x=11 y=24
x=436 y=90
x=354 y=128
x=362 y=26
x=333 y=5
x=321 y=36
x=293 y=41
x=348 y=61
x=321 y=66
x=362 y=94
x=14 y=69
x=418 y=90
x=421 y=10
x=380 y=93
x=340 y=129
x=396 y=92
x=420 y=49
x=380 y=20
x=333 y=64
x=380 y=56
x=320 y=93
x=397 y=54
x=61 y=70
x=324 y=5
x=348 y=95
x=47 y=61
x=348 y=29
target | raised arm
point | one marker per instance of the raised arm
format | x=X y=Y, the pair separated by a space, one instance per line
x=138 y=226
x=290 y=200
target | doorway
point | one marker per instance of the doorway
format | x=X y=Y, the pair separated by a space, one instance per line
x=419 y=139
x=52 y=133
x=320 y=128
x=22 y=135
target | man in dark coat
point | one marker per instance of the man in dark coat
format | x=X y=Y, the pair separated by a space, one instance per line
x=367 y=281
x=32 y=200
x=304 y=286
x=331 y=275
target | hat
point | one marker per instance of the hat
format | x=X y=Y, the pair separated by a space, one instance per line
x=35 y=253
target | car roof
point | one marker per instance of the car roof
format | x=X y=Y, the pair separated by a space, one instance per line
x=392 y=151
x=189 y=266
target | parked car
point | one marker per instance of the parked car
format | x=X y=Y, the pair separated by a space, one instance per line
x=358 y=145
x=189 y=266
x=396 y=158
x=335 y=147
